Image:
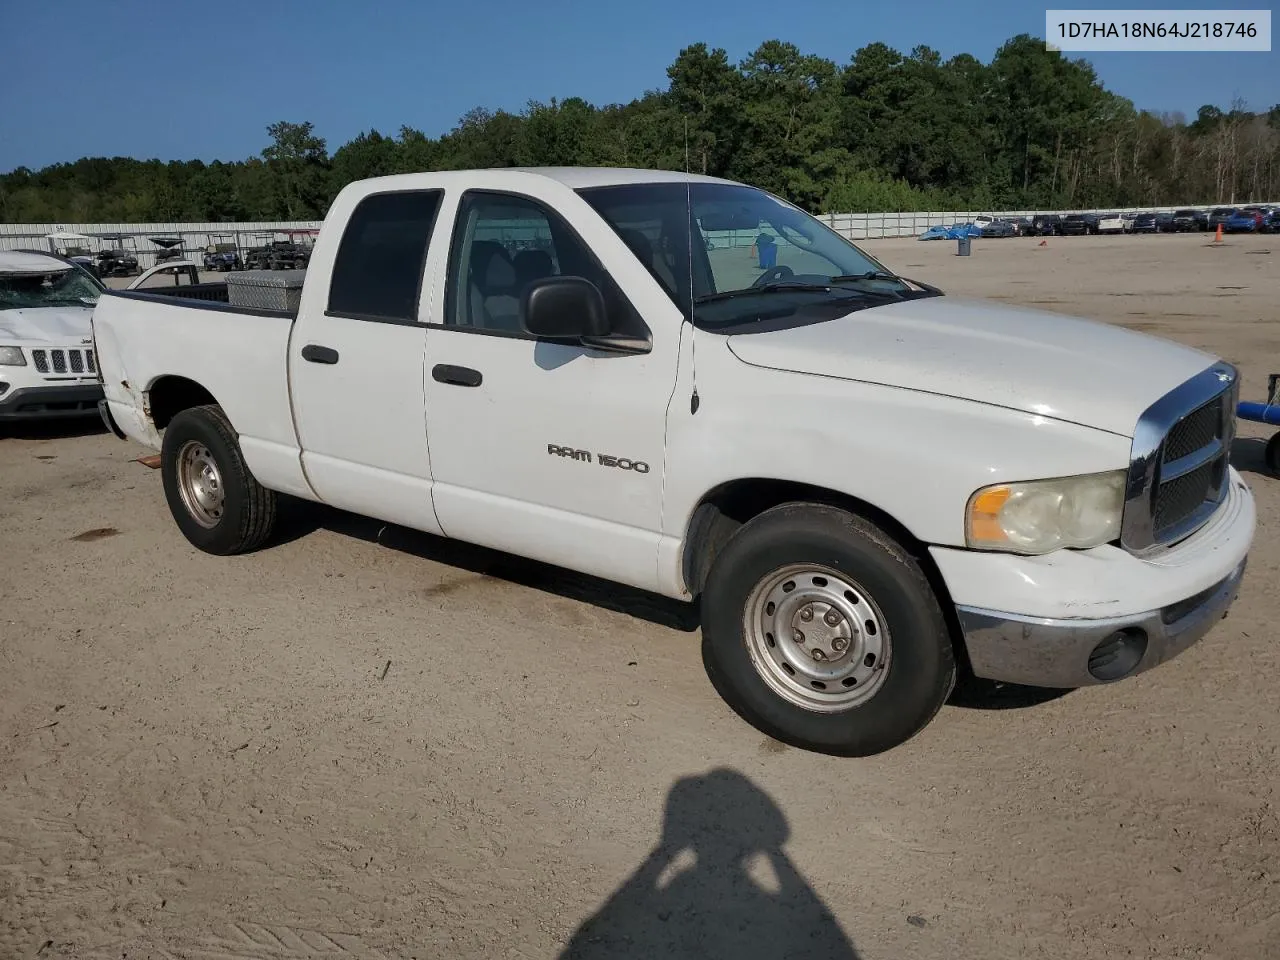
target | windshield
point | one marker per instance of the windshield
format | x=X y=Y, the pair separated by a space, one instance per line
x=745 y=256
x=54 y=289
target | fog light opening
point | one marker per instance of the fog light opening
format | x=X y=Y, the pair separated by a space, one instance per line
x=4 y=388
x=1118 y=655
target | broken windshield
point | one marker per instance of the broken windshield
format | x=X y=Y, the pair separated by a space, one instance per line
x=25 y=291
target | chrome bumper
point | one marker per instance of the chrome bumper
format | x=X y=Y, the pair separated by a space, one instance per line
x=1079 y=653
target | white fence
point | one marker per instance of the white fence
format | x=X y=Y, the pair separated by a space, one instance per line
x=197 y=237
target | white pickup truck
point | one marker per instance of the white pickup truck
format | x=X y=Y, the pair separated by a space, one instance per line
x=864 y=483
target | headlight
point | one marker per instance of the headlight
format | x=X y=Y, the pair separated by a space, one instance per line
x=1043 y=515
x=12 y=357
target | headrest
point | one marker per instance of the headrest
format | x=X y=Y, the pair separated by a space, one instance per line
x=490 y=265
x=533 y=265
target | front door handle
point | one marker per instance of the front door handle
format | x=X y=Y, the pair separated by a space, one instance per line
x=459 y=376
x=318 y=354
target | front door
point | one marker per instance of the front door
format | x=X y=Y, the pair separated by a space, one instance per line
x=546 y=449
x=356 y=365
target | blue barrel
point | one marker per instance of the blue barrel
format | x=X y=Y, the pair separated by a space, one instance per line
x=1259 y=412
x=768 y=253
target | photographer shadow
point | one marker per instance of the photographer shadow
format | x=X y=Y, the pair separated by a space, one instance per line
x=718 y=884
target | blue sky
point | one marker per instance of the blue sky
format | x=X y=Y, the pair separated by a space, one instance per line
x=147 y=79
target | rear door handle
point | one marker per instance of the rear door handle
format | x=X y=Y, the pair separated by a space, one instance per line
x=459 y=376
x=318 y=354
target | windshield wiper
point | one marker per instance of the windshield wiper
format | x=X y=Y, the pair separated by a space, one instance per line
x=780 y=286
x=881 y=275
x=869 y=275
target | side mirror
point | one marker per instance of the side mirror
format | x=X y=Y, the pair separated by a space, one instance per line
x=564 y=308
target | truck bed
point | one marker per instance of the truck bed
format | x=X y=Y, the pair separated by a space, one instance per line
x=213 y=295
x=151 y=345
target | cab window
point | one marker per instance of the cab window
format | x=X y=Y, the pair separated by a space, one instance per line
x=505 y=243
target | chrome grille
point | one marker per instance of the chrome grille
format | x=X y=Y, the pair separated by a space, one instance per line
x=66 y=362
x=1178 y=471
x=1180 y=497
x=1194 y=432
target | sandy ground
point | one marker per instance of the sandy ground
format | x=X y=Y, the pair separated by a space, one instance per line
x=369 y=743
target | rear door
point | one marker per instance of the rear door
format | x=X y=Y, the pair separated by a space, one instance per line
x=356 y=364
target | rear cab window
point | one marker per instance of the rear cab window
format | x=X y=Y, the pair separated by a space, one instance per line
x=377 y=273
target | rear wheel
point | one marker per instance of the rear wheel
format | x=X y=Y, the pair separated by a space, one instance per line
x=216 y=502
x=824 y=632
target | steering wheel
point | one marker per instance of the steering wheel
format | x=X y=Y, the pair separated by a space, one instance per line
x=773 y=274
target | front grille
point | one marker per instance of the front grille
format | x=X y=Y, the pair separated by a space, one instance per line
x=1179 y=467
x=1195 y=431
x=1180 y=497
x=64 y=361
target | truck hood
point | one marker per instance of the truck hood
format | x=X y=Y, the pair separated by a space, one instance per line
x=1083 y=371
x=62 y=326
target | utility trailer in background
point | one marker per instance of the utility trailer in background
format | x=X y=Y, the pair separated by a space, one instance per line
x=1269 y=413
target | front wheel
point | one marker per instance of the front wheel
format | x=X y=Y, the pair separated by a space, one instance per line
x=822 y=631
x=217 y=503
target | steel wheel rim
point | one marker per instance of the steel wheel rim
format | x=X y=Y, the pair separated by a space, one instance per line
x=200 y=484
x=817 y=638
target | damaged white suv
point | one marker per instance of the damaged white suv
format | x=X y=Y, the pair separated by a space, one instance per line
x=47 y=366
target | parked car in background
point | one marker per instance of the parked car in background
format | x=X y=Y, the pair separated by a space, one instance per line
x=1110 y=223
x=173 y=273
x=1189 y=221
x=1145 y=223
x=1219 y=216
x=1045 y=224
x=1242 y=221
x=47 y=364
x=997 y=228
x=1047 y=500
x=1259 y=214
x=1076 y=225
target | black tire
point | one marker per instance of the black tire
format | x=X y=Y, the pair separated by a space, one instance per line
x=921 y=669
x=1271 y=454
x=248 y=510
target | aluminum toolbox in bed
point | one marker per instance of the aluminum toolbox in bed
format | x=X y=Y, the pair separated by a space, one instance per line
x=266 y=289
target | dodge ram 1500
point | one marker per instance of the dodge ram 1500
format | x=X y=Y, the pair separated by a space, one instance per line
x=863 y=483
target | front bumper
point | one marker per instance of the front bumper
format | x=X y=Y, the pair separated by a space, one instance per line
x=51 y=402
x=1079 y=653
x=1035 y=620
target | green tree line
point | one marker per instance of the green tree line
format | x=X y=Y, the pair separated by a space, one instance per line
x=885 y=131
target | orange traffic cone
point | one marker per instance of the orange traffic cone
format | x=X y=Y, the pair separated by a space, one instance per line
x=1044 y=243
x=1217 y=237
